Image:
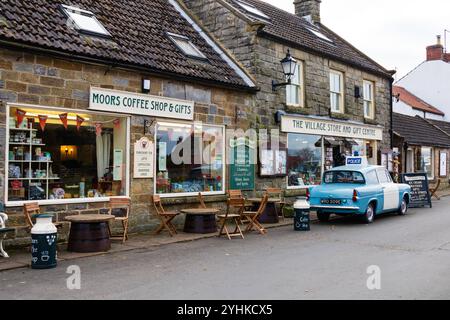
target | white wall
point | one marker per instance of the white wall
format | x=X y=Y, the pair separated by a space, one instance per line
x=430 y=81
x=403 y=108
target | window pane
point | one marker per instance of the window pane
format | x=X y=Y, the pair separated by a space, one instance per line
x=87 y=22
x=344 y=177
x=292 y=95
x=426 y=161
x=188 y=159
x=60 y=163
x=304 y=159
x=367 y=109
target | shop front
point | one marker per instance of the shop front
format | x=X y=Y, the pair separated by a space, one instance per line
x=316 y=144
x=57 y=155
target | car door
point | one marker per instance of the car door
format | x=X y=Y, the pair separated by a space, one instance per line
x=391 y=198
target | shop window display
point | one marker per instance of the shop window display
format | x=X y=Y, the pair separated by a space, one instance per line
x=304 y=162
x=189 y=158
x=57 y=155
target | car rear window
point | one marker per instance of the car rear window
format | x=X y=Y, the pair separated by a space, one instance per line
x=343 y=177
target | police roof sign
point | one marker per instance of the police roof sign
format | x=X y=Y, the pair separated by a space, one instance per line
x=140 y=104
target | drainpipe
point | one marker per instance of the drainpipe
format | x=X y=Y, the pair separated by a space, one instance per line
x=391 y=130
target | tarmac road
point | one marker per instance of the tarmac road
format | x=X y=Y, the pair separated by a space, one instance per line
x=329 y=262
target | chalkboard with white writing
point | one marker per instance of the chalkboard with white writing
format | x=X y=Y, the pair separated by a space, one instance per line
x=420 y=192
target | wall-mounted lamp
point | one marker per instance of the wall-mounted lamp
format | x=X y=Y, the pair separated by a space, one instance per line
x=146 y=83
x=289 y=65
x=358 y=92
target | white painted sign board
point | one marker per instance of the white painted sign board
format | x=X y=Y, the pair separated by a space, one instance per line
x=143 y=159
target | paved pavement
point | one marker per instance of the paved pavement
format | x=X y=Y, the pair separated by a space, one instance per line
x=330 y=262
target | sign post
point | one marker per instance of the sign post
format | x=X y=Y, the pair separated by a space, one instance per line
x=420 y=192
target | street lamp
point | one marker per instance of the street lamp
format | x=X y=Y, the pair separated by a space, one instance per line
x=289 y=65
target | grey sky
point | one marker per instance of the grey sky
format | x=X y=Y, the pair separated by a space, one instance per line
x=392 y=32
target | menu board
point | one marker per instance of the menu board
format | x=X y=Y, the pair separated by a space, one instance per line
x=302 y=221
x=242 y=167
x=420 y=193
x=273 y=163
x=143 y=158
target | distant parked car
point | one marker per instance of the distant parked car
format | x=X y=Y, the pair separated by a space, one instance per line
x=359 y=189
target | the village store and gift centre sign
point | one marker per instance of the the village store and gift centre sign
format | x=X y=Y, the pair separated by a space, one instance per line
x=323 y=127
x=140 y=104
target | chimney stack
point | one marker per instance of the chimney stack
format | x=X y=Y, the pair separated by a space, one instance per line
x=435 y=52
x=304 y=8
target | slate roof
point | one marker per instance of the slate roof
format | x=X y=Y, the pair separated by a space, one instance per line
x=418 y=131
x=138 y=30
x=290 y=28
x=443 y=125
x=414 y=101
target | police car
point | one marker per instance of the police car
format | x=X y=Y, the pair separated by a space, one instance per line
x=358 y=188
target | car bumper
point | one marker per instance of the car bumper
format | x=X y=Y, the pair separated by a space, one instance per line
x=338 y=208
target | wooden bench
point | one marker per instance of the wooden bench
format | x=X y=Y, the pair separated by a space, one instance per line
x=3 y=232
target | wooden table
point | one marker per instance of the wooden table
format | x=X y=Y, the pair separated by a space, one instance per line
x=270 y=214
x=200 y=220
x=89 y=233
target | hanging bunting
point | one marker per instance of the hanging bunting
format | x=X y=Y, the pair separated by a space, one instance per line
x=42 y=121
x=63 y=117
x=98 y=128
x=20 y=114
x=116 y=124
x=80 y=120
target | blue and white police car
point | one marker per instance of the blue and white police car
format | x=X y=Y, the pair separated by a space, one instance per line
x=358 y=189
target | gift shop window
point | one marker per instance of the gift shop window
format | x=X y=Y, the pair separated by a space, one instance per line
x=189 y=159
x=304 y=160
x=56 y=155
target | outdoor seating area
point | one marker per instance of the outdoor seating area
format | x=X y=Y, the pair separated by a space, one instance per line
x=91 y=233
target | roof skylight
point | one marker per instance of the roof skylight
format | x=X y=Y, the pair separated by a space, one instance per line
x=251 y=9
x=186 y=46
x=85 y=21
x=319 y=35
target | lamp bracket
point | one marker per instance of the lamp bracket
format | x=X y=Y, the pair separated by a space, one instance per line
x=275 y=84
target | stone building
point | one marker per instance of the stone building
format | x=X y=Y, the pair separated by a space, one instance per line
x=83 y=84
x=338 y=102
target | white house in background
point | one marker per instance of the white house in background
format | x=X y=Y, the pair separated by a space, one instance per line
x=408 y=104
x=429 y=82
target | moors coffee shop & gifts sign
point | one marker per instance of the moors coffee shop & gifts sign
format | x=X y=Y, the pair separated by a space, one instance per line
x=140 y=104
x=420 y=194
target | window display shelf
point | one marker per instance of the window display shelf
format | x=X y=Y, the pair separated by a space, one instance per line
x=22 y=129
x=28 y=161
x=54 y=178
x=27 y=144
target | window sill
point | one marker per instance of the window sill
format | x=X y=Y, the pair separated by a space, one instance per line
x=60 y=201
x=192 y=198
x=339 y=115
x=370 y=120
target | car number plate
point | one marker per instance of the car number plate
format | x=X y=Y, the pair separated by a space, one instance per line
x=330 y=201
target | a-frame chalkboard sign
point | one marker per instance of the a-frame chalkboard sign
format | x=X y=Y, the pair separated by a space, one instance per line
x=420 y=192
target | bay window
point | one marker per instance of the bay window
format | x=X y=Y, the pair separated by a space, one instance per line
x=189 y=159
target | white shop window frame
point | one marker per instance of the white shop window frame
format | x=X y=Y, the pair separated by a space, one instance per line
x=322 y=166
x=63 y=201
x=189 y=194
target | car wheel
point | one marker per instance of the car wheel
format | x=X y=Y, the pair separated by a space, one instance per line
x=370 y=213
x=403 y=207
x=323 y=217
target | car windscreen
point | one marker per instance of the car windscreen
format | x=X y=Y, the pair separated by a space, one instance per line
x=343 y=177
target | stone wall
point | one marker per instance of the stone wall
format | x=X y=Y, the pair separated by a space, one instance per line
x=261 y=56
x=47 y=81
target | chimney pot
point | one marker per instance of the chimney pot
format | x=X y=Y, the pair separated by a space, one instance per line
x=304 y=8
x=436 y=52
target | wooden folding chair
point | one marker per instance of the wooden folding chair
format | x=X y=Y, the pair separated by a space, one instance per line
x=237 y=194
x=165 y=217
x=201 y=200
x=277 y=193
x=234 y=217
x=253 y=216
x=120 y=208
x=30 y=209
x=434 y=189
